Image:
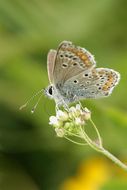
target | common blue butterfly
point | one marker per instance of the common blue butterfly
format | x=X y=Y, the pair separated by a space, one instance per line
x=73 y=75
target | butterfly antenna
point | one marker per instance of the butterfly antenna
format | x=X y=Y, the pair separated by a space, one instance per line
x=24 y=105
x=33 y=109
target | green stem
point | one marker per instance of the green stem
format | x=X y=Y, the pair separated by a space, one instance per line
x=98 y=134
x=83 y=144
x=84 y=136
x=73 y=134
x=102 y=150
x=114 y=159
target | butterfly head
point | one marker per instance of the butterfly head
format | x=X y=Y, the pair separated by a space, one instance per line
x=49 y=91
x=54 y=93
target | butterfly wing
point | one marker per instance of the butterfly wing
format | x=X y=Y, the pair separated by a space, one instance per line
x=71 y=60
x=72 y=71
x=96 y=83
x=50 y=64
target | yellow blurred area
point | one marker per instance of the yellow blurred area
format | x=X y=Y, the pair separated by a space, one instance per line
x=92 y=175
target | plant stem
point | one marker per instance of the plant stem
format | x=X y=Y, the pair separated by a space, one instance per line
x=101 y=149
x=81 y=144
x=98 y=134
x=114 y=159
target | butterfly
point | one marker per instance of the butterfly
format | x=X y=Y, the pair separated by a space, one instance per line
x=73 y=75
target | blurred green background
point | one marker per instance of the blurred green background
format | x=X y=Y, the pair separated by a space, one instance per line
x=32 y=157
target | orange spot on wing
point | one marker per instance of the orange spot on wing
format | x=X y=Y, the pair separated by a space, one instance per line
x=79 y=54
x=84 y=57
x=101 y=72
x=108 y=84
x=88 y=64
x=110 y=78
x=105 y=88
x=73 y=51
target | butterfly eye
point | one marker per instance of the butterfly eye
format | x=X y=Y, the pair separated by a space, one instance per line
x=50 y=90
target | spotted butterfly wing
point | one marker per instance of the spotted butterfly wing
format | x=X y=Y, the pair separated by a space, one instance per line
x=70 y=61
x=50 y=64
x=96 y=83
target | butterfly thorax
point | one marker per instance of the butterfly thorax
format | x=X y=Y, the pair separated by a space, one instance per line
x=60 y=97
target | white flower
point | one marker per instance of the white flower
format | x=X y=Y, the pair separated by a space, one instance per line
x=79 y=121
x=74 y=111
x=63 y=116
x=54 y=121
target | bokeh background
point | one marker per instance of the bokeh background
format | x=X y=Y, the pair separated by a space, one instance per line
x=31 y=156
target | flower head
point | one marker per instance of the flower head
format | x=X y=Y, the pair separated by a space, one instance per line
x=67 y=122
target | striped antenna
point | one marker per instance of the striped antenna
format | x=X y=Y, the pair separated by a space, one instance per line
x=33 y=109
x=24 y=105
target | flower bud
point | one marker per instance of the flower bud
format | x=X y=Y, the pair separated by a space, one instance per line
x=79 y=121
x=86 y=114
x=60 y=132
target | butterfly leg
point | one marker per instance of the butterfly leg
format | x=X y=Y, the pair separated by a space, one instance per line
x=62 y=103
x=77 y=99
x=57 y=108
x=80 y=105
x=66 y=107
